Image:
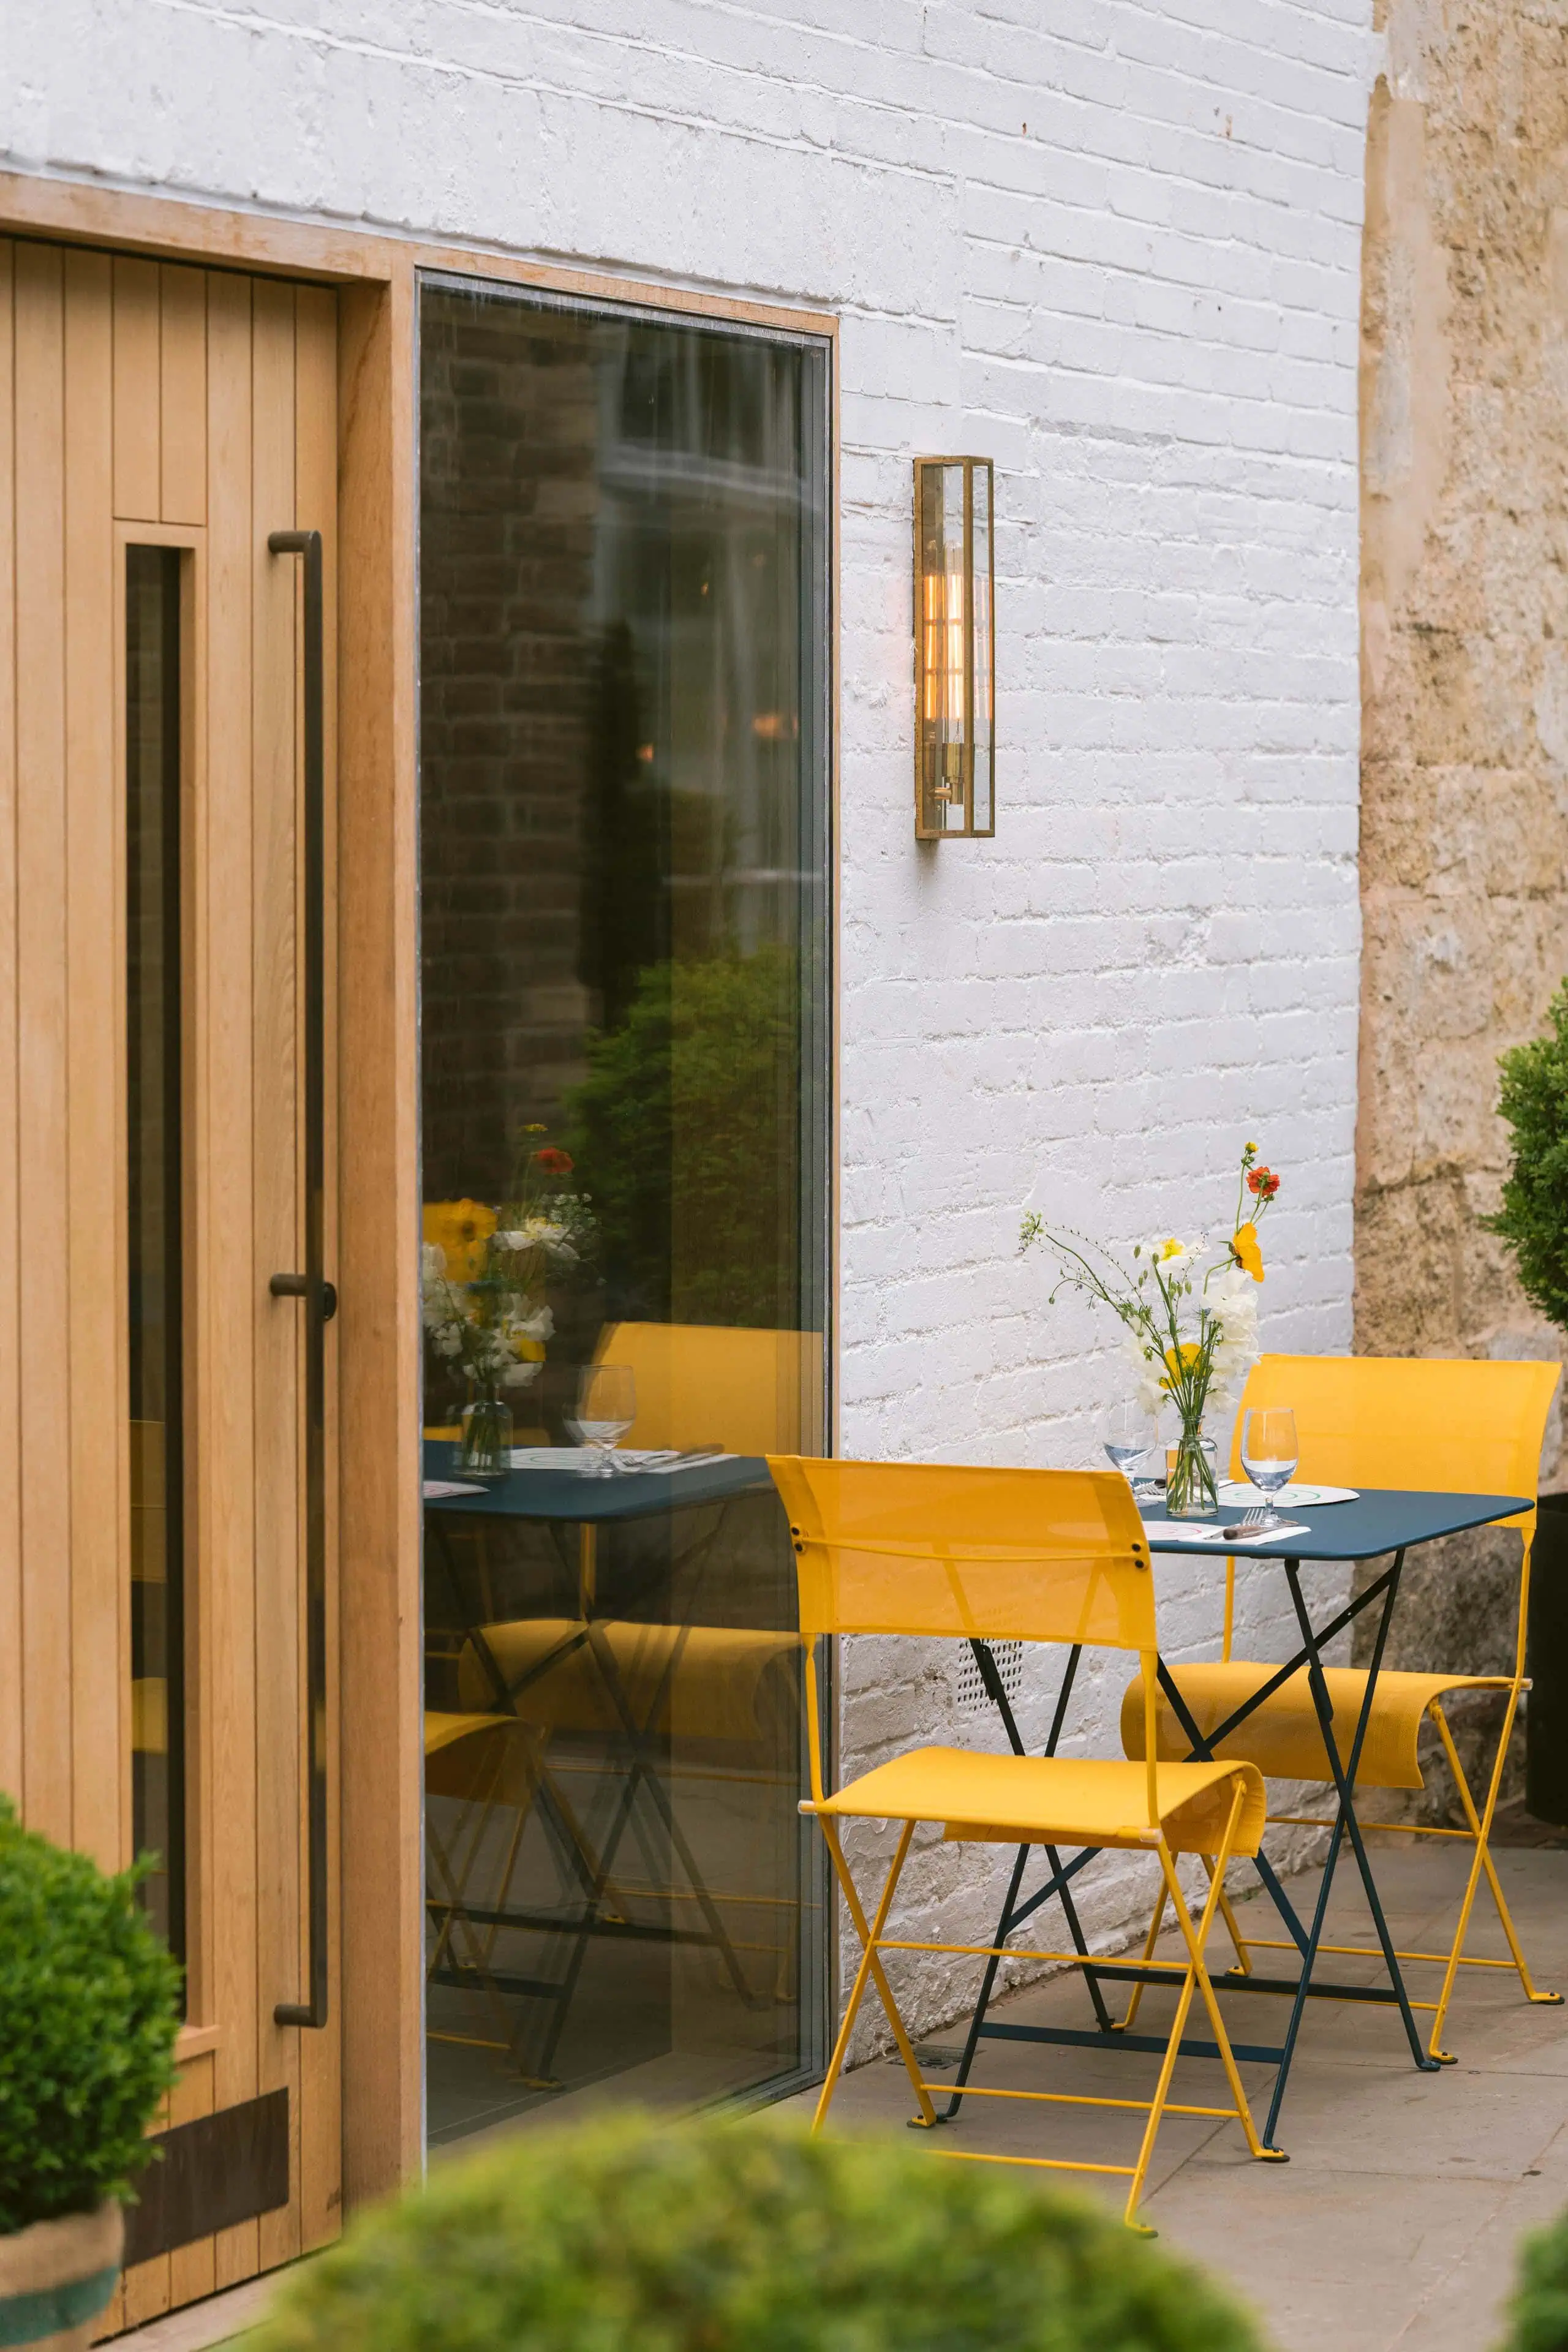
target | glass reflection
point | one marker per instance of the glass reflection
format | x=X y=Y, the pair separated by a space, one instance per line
x=624 y=765
x=153 y=1092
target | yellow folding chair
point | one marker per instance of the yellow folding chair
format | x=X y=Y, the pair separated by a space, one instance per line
x=1012 y=1554
x=1459 y=1427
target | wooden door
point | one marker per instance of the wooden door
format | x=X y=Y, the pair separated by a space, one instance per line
x=158 y=424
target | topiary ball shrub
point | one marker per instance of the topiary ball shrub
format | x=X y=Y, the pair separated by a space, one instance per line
x=743 y=2237
x=90 y=2006
x=1538 y=2310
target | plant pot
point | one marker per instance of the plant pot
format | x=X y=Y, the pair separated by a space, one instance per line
x=1546 y=1660
x=56 y=2278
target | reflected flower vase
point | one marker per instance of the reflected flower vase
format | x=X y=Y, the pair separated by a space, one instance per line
x=1191 y=1491
x=484 y=1448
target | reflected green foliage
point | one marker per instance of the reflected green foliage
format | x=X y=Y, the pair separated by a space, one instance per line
x=1533 y=1219
x=722 y=2234
x=88 y=2011
x=684 y=1139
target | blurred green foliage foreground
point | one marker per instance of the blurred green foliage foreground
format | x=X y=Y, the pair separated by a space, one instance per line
x=711 y=2235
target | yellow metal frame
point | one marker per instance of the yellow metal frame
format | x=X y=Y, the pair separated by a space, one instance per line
x=1118 y=1558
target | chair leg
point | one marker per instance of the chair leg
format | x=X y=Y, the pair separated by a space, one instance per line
x=1481 y=1829
x=1196 y=1979
x=1196 y=1941
x=870 y=1969
x=1125 y=2024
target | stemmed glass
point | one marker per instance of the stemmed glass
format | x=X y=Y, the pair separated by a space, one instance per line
x=606 y=1408
x=1129 y=1434
x=1269 y=1453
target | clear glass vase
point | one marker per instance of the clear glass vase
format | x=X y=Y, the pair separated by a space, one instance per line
x=1191 y=1488
x=484 y=1448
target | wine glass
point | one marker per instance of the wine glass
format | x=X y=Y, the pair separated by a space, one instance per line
x=1128 y=1433
x=606 y=1408
x=1269 y=1453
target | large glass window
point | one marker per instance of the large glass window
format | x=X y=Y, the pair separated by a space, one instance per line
x=624 y=796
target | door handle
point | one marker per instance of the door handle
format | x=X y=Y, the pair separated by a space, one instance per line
x=320 y=1298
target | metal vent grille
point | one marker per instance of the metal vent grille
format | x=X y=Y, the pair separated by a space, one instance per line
x=972 y=1697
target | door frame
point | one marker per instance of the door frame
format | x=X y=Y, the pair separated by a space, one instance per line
x=377 y=1109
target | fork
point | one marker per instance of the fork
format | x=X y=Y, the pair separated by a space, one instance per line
x=1256 y=1517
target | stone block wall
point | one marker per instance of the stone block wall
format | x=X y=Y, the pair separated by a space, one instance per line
x=1464 y=702
x=1115 y=247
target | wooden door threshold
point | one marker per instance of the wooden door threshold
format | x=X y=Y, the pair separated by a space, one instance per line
x=220 y=2319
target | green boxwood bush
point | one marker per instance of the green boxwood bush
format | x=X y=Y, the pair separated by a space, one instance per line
x=1533 y=1218
x=88 y=2012
x=743 y=2237
x=1539 y=2307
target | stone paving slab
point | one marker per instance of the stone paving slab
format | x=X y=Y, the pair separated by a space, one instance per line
x=1397 y=2220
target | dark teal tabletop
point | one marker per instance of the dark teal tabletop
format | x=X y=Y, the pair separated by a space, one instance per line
x=1381 y=1519
x=575 y=1495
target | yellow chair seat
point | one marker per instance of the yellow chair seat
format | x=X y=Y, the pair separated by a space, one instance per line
x=1055 y=1799
x=1283 y=1737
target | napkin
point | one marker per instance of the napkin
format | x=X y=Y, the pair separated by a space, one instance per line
x=1185 y=1532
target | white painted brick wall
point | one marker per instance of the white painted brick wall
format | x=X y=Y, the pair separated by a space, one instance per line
x=1115 y=245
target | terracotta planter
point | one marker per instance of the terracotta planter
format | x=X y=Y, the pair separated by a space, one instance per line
x=56 y=2278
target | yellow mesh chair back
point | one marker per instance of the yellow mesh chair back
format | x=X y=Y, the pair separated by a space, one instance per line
x=750 y=1391
x=1011 y=1554
x=1456 y=1425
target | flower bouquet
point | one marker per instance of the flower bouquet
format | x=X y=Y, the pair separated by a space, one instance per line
x=484 y=1275
x=1189 y=1313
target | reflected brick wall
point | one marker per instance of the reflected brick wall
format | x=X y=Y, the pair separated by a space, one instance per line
x=507 y=523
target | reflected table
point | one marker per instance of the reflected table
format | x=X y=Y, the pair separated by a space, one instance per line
x=617 y=1671
x=1380 y=1523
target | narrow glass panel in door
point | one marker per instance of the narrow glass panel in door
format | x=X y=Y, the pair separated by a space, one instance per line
x=624 y=762
x=153 y=915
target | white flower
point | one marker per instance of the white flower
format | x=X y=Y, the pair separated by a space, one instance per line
x=518 y=1375
x=1170 y=1253
x=432 y=1263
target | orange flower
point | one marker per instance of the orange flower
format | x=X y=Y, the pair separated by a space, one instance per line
x=462 y=1229
x=1245 y=1250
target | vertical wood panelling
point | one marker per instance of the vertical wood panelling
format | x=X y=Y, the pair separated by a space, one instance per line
x=225 y=1270
x=183 y=406
x=378 y=1250
x=274 y=1062
x=316 y=487
x=158 y=403
x=94 y=951
x=138 y=494
x=42 y=1253
x=10 y=1385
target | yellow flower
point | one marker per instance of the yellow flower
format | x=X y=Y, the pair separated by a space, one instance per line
x=1178 y=1359
x=1244 y=1249
x=462 y=1229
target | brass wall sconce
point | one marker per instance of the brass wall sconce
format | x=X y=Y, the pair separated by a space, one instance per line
x=955 y=650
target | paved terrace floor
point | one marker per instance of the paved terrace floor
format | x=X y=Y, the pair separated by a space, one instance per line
x=1396 y=2220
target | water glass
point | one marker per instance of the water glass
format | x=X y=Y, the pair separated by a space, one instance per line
x=1129 y=1434
x=606 y=1408
x=1270 y=1453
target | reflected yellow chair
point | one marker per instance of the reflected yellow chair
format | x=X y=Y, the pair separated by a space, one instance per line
x=750 y=1391
x=1012 y=1554
x=1462 y=1426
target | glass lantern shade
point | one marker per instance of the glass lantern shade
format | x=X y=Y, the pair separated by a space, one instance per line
x=955 y=750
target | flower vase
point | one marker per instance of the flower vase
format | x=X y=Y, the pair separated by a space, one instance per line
x=484 y=1448
x=1191 y=1491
